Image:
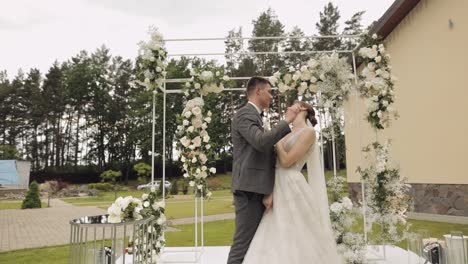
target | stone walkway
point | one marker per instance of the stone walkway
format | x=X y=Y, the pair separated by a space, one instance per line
x=32 y=228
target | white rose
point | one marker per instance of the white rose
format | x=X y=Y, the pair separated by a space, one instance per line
x=196 y=110
x=287 y=78
x=199 y=187
x=204 y=168
x=206 y=75
x=114 y=219
x=114 y=209
x=161 y=220
x=213 y=170
x=197 y=86
x=203 y=158
x=312 y=63
x=187 y=114
x=146 y=204
x=187 y=84
x=185 y=122
x=203 y=174
x=185 y=142
x=209 y=113
x=208 y=119
x=313 y=79
x=182 y=159
x=303 y=68
x=206 y=139
x=306 y=75
x=225 y=78
x=197 y=171
x=291 y=68
x=197 y=122
x=296 y=76
x=191 y=183
x=313 y=88
x=158 y=69
x=378 y=59
x=204 y=126
x=190 y=129
x=196 y=141
x=374 y=36
x=194 y=159
x=208 y=146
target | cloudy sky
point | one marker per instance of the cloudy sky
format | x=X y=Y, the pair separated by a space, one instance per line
x=36 y=33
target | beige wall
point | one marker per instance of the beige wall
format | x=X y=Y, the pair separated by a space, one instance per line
x=430 y=60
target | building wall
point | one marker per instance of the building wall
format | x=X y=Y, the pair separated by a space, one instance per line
x=430 y=60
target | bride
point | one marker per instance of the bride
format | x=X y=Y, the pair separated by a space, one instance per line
x=296 y=226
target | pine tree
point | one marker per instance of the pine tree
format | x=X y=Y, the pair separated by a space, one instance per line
x=32 y=199
x=353 y=27
x=267 y=25
x=327 y=26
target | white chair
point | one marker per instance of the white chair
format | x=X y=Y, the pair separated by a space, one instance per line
x=456 y=248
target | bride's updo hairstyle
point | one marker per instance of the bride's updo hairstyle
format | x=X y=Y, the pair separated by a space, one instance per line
x=310 y=112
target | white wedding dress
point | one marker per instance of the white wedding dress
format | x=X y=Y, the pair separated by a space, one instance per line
x=297 y=230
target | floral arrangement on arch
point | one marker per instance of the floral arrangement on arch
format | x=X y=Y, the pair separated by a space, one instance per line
x=376 y=82
x=152 y=61
x=343 y=215
x=147 y=241
x=205 y=81
x=329 y=75
x=194 y=141
x=387 y=194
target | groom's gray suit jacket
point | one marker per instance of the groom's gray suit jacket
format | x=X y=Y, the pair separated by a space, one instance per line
x=253 y=167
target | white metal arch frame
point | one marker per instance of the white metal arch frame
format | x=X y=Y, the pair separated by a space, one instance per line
x=197 y=251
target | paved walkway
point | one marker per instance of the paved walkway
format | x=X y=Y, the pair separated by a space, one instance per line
x=32 y=228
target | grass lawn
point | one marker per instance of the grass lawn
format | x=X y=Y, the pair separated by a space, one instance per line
x=14 y=204
x=217 y=233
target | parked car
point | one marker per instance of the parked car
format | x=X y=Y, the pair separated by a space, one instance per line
x=156 y=184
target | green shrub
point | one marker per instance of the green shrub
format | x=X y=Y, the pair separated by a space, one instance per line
x=185 y=187
x=101 y=186
x=174 y=188
x=32 y=199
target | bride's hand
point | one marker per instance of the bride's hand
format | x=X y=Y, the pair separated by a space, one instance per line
x=268 y=202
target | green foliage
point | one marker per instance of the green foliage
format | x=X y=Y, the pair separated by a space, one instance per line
x=328 y=25
x=32 y=199
x=102 y=186
x=110 y=176
x=8 y=152
x=143 y=171
x=174 y=187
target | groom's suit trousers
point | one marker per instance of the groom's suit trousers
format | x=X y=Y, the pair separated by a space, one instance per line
x=249 y=212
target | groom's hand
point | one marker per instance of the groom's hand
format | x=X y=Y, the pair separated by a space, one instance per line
x=291 y=113
x=268 y=202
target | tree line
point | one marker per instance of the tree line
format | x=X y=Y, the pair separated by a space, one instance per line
x=87 y=111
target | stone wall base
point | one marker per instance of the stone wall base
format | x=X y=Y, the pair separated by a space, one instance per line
x=443 y=199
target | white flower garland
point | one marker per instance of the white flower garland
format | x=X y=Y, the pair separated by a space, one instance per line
x=130 y=208
x=152 y=61
x=328 y=75
x=194 y=143
x=377 y=83
x=342 y=215
x=387 y=193
x=204 y=82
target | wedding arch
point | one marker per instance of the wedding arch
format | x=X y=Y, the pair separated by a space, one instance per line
x=327 y=79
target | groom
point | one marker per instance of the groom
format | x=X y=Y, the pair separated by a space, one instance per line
x=253 y=172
